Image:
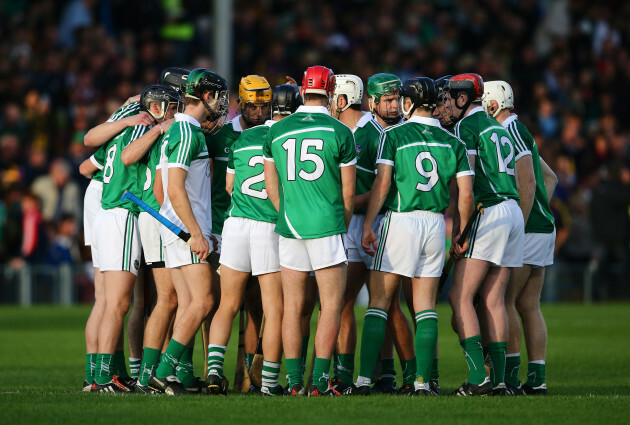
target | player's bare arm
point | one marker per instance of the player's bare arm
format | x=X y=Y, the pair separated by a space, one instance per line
x=102 y=133
x=158 y=190
x=362 y=200
x=526 y=183
x=271 y=184
x=181 y=205
x=348 y=185
x=379 y=192
x=550 y=178
x=139 y=147
x=229 y=182
x=87 y=168
x=465 y=202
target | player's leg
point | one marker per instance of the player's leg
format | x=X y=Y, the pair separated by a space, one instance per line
x=135 y=324
x=516 y=283
x=253 y=308
x=347 y=338
x=402 y=337
x=272 y=303
x=382 y=287
x=331 y=282
x=310 y=297
x=293 y=288
x=424 y=295
x=535 y=330
x=91 y=329
x=160 y=320
x=492 y=297
x=467 y=277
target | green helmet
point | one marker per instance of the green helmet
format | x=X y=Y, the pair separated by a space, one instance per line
x=383 y=84
x=202 y=80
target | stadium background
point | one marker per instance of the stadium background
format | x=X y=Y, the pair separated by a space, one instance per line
x=66 y=65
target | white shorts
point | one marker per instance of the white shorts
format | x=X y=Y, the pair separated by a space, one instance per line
x=251 y=246
x=91 y=207
x=498 y=235
x=356 y=254
x=117 y=241
x=539 y=249
x=178 y=254
x=151 y=239
x=307 y=255
x=219 y=244
x=411 y=244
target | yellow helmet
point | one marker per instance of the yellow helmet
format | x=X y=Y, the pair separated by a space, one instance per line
x=254 y=89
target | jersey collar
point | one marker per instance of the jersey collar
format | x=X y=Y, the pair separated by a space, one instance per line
x=425 y=120
x=185 y=117
x=366 y=118
x=236 y=124
x=509 y=120
x=312 y=110
x=475 y=110
x=269 y=123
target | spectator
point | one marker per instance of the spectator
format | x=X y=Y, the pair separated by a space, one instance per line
x=58 y=193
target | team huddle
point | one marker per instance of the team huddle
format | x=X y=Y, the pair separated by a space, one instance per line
x=302 y=196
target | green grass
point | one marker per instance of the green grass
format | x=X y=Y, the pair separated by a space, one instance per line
x=588 y=374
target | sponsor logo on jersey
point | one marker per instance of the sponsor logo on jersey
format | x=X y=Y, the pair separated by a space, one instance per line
x=359 y=147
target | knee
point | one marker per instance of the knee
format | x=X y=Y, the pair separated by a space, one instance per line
x=118 y=307
x=526 y=306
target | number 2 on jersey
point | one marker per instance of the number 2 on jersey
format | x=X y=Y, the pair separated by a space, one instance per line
x=305 y=156
x=246 y=186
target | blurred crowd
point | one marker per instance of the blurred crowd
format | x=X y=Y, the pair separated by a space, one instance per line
x=69 y=64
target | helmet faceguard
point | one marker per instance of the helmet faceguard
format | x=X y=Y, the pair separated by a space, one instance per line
x=164 y=96
x=384 y=93
x=254 y=95
x=203 y=80
x=470 y=84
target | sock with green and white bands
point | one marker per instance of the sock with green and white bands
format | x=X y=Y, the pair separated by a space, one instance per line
x=496 y=353
x=512 y=368
x=150 y=360
x=270 y=372
x=134 y=366
x=425 y=343
x=536 y=373
x=372 y=339
x=474 y=358
x=185 y=370
x=104 y=368
x=170 y=359
x=90 y=367
x=216 y=357
x=249 y=357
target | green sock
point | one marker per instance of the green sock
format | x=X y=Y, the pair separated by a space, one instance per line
x=435 y=372
x=305 y=339
x=170 y=359
x=388 y=371
x=216 y=356
x=134 y=366
x=294 y=370
x=425 y=342
x=512 y=369
x=321 y=373
x=536 y=373
x=372 y=339
x=474 y=359
x=120 y=364
x=496 y=352
x=90 y=367
x=150 y=359
x=270 y=372
x=185 y=371
x=345 y=368
x=248 y=360
x=105 y=368
x=408 y=370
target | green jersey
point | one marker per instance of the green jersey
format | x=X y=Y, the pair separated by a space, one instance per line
x=366 y=137
x=146 y=171
x=540 y=218
x=98 y=158
x=117 y=178
x=125 y=111
x=249 y=197
x=494 y=162
x=308 y=149
x=219 y=149
x=425 y=158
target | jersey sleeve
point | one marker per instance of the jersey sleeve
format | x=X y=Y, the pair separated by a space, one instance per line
x=463 y=164
x=348 y=150
x=98 y=158
x=230 y=164
x=125 y=111
x=521 y=145
x=180 y=150
x=267 y=155
x=386 y=150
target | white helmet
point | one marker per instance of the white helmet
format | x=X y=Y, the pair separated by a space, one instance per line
x=499 y=91
x=351 y=86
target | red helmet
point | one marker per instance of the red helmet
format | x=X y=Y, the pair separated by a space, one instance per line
x=469 y=83
x=318 y=80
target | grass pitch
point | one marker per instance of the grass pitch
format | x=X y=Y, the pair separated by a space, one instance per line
x=42 y=361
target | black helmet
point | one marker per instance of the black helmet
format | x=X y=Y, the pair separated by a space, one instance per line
x=421 y=91
x=162 y=94
x=174 y=77
x=286 y=99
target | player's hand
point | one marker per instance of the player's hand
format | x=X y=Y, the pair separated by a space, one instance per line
x=199 y=246
x=132 y=99
x=291 y=81
x=166 y=124
x=368 y=241
x=457 y=250
x=143 y=118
